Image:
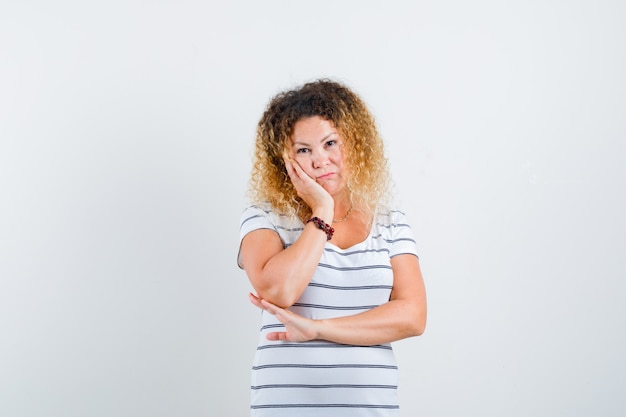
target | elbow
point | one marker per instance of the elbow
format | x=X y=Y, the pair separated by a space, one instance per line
x=413 y=329
x=416 y=329
x=417 y=324
x=410 y=320
x=272 y=292
x=419 y=329
x=277 y=297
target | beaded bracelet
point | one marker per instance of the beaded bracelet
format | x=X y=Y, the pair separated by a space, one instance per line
x=326 y=228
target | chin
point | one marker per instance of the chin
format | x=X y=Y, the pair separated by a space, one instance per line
x=333 y=190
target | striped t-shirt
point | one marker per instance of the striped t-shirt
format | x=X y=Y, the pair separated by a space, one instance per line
x=320 y=378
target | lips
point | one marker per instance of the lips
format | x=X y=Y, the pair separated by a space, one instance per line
x=325 y=176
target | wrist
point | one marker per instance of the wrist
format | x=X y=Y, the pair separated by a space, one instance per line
x=323 y=226
x=325 y=214
x=318 y=328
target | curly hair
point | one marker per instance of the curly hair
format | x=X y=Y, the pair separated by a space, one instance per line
x=363 y=148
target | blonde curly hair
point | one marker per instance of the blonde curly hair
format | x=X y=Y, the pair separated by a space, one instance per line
x=363 y=148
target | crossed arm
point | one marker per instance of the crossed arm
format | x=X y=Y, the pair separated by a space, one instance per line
x=281 y=279
x=280 y=275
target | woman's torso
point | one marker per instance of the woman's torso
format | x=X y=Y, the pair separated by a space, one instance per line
x=321 y=378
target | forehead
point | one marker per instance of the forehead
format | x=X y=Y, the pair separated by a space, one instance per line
x=313 y=128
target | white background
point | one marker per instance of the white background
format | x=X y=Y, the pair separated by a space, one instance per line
x=126 y=132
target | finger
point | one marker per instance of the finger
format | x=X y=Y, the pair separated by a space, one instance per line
x=284 y=316
x=274 y=336
x=298 y=169
x=296 y=173
x=269 y=307
x=289 y=167
x=256 y=301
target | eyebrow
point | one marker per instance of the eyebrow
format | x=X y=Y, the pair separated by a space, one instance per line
x=321 y=140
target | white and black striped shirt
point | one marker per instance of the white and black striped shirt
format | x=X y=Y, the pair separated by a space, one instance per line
x=320 y=378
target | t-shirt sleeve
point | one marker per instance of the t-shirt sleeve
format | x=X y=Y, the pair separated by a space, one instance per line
x=402 y=239
x=253 y=218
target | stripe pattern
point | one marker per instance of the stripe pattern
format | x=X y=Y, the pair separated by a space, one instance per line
x=320 y=378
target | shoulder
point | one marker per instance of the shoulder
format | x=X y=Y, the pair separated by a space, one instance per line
x=391 y=218
x=255 y=211
x=393 y=226
x=264 y=216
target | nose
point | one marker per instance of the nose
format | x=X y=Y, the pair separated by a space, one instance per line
x=320 y=159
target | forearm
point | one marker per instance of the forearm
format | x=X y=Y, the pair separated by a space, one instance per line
x=285 y=275
x=394 y=320
x=278 y=274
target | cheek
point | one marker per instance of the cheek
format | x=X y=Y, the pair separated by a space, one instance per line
x=338 y=159
x=304 y=162
x=344 y=166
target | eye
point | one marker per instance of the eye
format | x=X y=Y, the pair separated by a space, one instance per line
x=330 y=143
x=302 y=150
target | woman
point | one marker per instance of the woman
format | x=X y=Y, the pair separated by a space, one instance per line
x=334 y=269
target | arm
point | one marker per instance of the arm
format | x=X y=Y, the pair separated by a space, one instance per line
x=403 y=316
x=280 y=275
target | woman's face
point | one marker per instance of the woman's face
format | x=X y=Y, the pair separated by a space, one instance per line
x=317 y=146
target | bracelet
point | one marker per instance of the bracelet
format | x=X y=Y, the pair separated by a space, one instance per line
x=326 y=228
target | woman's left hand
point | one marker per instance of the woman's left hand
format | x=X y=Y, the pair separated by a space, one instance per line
x=297 y=328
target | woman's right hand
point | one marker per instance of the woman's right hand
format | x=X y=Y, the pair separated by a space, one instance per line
x=313 y=194
x=278 y=274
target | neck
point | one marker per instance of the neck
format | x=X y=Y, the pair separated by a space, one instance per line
x=343 y=210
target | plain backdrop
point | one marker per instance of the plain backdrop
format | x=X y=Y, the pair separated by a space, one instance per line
x=126 y=132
